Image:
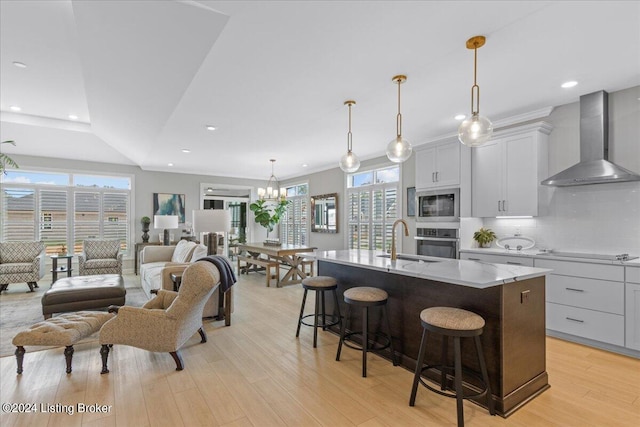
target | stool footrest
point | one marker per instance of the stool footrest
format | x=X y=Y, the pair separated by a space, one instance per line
x=373 y=347
x=467 y=372
x=334 y=320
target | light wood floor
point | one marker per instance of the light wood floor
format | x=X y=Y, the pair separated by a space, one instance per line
x=256 y=373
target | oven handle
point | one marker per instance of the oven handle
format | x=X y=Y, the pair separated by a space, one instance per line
x=437 y=239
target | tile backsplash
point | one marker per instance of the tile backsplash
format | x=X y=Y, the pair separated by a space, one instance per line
x=601 y=218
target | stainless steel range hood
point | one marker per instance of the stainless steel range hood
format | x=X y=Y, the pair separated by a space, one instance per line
x=594 y=166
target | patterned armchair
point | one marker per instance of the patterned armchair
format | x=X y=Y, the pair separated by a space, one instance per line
x=166 y=322
x=100 y=257
x=21 y=262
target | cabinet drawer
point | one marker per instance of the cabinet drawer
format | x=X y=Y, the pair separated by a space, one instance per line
x=583 y=269
x=499 y=259
x=633 y=274
x=585 y=323
x=602 y=295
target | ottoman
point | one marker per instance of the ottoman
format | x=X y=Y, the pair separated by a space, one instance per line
x=66 y=330
x=82 y=293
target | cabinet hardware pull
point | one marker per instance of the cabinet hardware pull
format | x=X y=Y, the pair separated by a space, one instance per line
x=433 y=177
x=575 y=290
x=514 y=263
x=473 y=259
x=499 y=210
x=437 y=176
x=575 y=320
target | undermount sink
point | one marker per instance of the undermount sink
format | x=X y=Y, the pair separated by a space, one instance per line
x=408 y=258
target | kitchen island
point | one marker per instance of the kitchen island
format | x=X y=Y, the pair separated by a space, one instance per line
x=511 y=299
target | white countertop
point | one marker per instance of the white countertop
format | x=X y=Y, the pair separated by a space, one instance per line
x=475 y=274
x=535 y=253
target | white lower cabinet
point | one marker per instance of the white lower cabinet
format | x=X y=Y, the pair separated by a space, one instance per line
x=586 y=300
x=632 y=307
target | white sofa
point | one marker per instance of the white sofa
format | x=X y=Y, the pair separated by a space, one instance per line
x=158 y=262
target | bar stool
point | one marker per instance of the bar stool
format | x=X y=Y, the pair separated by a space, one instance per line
x=320 y=284
x=455 y=323
x=366 y=297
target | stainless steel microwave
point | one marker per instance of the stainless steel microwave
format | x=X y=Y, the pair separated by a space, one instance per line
x=438 y=205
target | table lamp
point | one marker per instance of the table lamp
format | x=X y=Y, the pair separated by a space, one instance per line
x=210 y=222
x=165 y=222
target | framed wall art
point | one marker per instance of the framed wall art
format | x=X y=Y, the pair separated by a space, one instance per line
x=169 y=204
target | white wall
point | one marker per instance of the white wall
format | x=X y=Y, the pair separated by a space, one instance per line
x=601 y=218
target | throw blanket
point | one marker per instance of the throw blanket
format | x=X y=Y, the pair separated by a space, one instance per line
x=227 y=276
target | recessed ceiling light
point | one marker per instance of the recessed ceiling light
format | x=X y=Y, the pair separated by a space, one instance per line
x=304 y=165
x=211 y=127
x=186 y=150
x=169 y=164
x=73 y=117
x=567 y=85
x=15 y=108
x=460 y=117
x=19 y=64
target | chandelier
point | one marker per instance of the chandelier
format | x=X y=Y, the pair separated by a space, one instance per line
x=272 y=190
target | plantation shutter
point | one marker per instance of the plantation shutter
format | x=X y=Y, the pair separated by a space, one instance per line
x=18 y=214
x=115 y=208
x=53 y=219
x=86 y=217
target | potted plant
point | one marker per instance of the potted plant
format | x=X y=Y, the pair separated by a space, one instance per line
x=145 y=220
x=6 y=160
x=484 y=237
x=63 y=250
x=268 y=214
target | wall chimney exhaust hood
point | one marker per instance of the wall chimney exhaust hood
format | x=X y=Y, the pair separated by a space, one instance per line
x=594 y=166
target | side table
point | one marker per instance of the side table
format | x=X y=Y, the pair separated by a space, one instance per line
x=62 y=269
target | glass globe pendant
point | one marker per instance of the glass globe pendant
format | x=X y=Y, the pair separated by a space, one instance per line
x=399 y=149
x=349 y=162
x=477 y=129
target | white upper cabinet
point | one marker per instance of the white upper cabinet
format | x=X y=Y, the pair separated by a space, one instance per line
x=506 y=172
x=438 y=165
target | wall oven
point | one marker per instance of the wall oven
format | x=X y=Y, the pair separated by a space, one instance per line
x=438 y=205
x=438 y=242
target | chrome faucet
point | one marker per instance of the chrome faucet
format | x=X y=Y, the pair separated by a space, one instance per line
x=394 y=254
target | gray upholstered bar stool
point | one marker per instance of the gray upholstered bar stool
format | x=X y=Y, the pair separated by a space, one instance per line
x=320 y=284
x=455 y=323
x=365 y=297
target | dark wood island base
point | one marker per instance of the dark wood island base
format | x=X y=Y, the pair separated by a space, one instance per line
x=513 y=338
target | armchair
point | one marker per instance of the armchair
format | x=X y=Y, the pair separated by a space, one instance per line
x=21 y=262
x=100 y=257
x=167 y=321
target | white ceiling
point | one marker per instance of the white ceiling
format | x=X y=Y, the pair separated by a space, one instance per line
x=146 y=77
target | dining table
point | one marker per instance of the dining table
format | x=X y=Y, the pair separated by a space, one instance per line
x=290 y=256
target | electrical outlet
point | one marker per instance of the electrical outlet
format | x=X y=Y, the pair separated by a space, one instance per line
x=524 y=296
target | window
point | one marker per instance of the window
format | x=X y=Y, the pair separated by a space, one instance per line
x=64 y=209
x=293 y=225
x=372 y=198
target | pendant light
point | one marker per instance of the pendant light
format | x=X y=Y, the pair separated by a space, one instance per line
x=399 y=149
x=349 y=162
x=477 y=129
